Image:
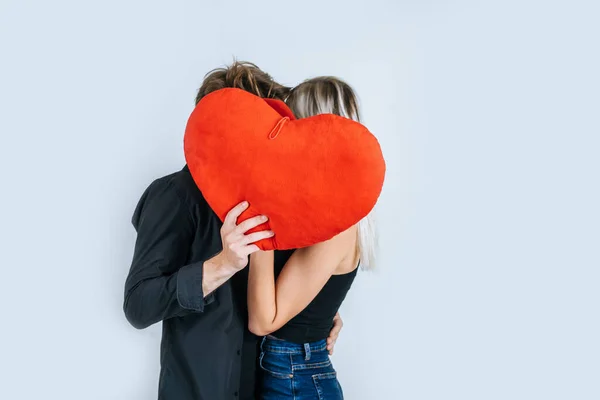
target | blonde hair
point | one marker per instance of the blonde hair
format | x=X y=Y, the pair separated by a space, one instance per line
x=331 y=95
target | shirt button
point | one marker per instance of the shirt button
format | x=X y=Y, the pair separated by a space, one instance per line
x=238 y=353
x=235 y=394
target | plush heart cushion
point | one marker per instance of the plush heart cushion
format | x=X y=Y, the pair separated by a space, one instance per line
x=313 y=177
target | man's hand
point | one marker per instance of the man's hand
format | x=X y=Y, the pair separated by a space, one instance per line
x=334 y=333
x=237 y=246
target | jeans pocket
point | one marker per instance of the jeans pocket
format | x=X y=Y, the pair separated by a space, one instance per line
x=275 y=365
x=328 y=387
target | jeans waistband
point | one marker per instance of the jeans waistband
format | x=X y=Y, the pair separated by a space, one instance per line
x=275 y=345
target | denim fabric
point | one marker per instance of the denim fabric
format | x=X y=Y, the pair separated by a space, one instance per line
x=297 y=371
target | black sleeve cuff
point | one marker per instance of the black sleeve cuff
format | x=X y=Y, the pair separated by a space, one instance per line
x=189 y=288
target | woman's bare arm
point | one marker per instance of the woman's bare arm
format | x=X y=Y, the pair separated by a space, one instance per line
x=272 y=304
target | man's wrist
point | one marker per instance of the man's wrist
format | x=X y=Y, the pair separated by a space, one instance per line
x=216 y=271
x=221 y=266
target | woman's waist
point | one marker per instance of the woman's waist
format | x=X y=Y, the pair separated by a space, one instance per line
x=275 y=344
x=305 y=330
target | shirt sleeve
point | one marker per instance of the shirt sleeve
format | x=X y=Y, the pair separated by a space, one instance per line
x=159 y=285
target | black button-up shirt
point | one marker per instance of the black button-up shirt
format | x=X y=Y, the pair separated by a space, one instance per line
x=206 y=351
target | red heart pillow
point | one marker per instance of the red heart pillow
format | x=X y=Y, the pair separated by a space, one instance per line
x=313 y=177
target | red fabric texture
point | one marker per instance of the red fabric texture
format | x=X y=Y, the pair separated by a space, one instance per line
x=313 y=177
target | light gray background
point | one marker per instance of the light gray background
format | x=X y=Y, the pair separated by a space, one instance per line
x=487 y=112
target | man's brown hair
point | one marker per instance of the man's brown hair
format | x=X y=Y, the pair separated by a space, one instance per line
x=246 y=76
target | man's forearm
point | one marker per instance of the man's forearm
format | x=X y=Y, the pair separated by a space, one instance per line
x=216 y=271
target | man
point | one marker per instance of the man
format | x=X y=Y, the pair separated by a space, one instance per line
x=188 y=271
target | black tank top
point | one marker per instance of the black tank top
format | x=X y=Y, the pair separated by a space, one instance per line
x=316 y=320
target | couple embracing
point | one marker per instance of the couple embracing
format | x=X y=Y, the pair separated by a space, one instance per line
x=239 y=322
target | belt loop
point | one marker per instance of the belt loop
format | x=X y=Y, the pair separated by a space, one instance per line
x=262 y=342
x=306 y=351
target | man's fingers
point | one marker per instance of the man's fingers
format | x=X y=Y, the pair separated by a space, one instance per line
x=234 y=213
x=333 y=335
x=251 y=249
x=335 y=331
x=330 y=346
x=337 y=327
x=337 y=323
x=256 y=236
x=250 y=223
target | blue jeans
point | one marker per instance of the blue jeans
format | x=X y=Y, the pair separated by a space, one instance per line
x=297 y=371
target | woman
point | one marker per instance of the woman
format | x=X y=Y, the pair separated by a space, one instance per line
x=293 y=296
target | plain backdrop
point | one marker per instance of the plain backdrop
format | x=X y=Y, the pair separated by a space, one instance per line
x=488 y=114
